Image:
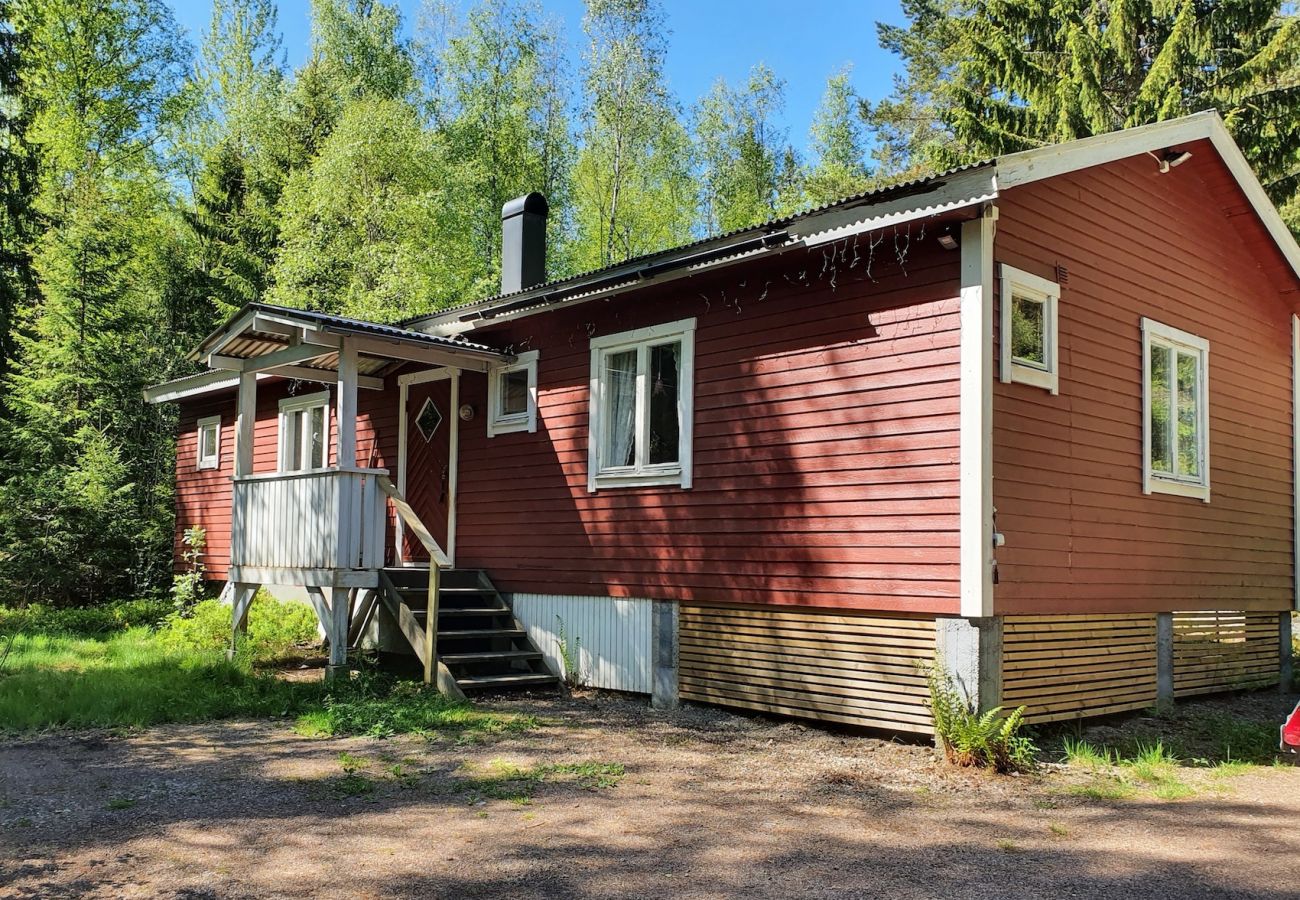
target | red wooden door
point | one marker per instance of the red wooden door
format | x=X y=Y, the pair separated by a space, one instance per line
x=428 y=462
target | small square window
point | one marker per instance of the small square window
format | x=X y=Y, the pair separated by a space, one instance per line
x=1029 y=333
x=512 y=396
x=209 y=443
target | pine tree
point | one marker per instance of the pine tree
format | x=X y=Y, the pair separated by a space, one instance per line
x=742 y=151
x=633 y=190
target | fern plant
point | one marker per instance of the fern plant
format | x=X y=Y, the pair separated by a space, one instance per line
x=970 y=738
x=570 y=655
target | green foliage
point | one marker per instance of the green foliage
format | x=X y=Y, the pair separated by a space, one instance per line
x=189 y=587
x=379 y=706
x=370 y=227
x=744 y=157
x=570 y=655
x=1006 y=75
x=632 y=182
x=276 y=629
x=839 y=143
x=86 y=621
x=970 y=738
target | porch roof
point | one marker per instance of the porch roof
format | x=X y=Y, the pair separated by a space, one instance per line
x=294 y=343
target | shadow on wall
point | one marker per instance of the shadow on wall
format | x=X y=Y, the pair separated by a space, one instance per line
x=825 y=451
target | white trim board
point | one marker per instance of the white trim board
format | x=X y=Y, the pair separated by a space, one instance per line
x=976 y=420
x=404 y=383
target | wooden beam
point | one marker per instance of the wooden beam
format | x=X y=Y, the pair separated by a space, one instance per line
x=325 y=376
x=473 y=361
x=245 y=417
x=347 y=405
x=286 y=357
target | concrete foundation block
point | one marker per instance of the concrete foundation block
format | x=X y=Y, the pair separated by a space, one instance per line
x=970 y=651
x=663 y=655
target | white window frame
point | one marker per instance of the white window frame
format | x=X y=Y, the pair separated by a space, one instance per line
x=213 y=461
x=1157 y=334
x=1048 y=293
x=294 y=404
x=498 y=422
x=643 y=474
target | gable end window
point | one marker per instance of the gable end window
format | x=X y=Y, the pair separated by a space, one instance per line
x=209 y=443
x=512 y=396
x=304 y=432
x=642 y=399
x=1030 y=354
x=1175 y=412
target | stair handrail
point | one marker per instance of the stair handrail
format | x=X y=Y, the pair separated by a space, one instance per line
x=438 y=560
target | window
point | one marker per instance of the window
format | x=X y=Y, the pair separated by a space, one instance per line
x=209 y=443
x=1175 y=412
x=512 y=396
x=1029 y=346
x=304 y=432
x=641 y=402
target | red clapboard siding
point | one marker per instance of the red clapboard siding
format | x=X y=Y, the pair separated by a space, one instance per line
x=1081 y=537
x=825 y=450
x=203 y=497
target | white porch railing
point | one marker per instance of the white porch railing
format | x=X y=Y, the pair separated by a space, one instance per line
x=326 y=519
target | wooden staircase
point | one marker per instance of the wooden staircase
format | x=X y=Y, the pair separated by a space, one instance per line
x=479 y=640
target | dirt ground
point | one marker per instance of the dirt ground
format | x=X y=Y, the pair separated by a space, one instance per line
x=708 y=805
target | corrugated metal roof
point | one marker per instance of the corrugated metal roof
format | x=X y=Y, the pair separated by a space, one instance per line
x=364 y=327
x=876 y=195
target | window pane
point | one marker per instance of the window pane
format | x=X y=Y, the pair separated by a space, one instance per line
x=1189 y=445
x=317 y=437
x=618 y=393
x=1161 y=453
x=293 y=441
x=1028 y=342
x=662 y=385
x=514 y=393
x=209 y=449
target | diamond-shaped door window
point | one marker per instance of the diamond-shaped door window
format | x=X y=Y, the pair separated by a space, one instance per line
x=428 y=420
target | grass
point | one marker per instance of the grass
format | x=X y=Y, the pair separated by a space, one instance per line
x=500 y=780
x=176 y=671
x=131 y=679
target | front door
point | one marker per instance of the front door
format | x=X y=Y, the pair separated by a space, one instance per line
x=428 y=463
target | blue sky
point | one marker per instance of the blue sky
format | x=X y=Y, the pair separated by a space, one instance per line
x=804 y=43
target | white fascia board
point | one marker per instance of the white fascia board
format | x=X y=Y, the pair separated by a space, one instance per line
x=960 y=191
x=223 y=379
x=1060 y=159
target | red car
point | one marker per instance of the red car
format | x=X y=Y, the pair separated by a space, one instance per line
x=1291 y=732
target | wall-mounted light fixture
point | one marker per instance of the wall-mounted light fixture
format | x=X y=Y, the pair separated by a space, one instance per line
x=1170 y=159
x=947 y=240
x=466 y=412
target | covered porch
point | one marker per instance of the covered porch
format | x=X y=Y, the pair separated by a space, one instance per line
x=320 y=520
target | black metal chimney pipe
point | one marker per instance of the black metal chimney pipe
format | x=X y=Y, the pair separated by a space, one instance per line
x=523 y=243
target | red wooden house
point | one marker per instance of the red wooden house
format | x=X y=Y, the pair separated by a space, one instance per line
x=972 y=415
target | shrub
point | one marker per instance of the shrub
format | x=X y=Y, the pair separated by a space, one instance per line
x=275 y=628
x=39 y=618
x=989 y=740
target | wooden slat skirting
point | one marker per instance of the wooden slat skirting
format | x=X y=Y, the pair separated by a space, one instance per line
x=1065 y=667
x=1224 y=651
x=853 y=670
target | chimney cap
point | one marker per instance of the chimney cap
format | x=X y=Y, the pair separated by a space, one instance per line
x=533 y=203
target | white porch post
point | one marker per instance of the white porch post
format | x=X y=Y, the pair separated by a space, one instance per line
x=347 y=405
x=246 y=417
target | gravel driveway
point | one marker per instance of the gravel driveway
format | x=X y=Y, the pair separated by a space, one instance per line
x=608 y=799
